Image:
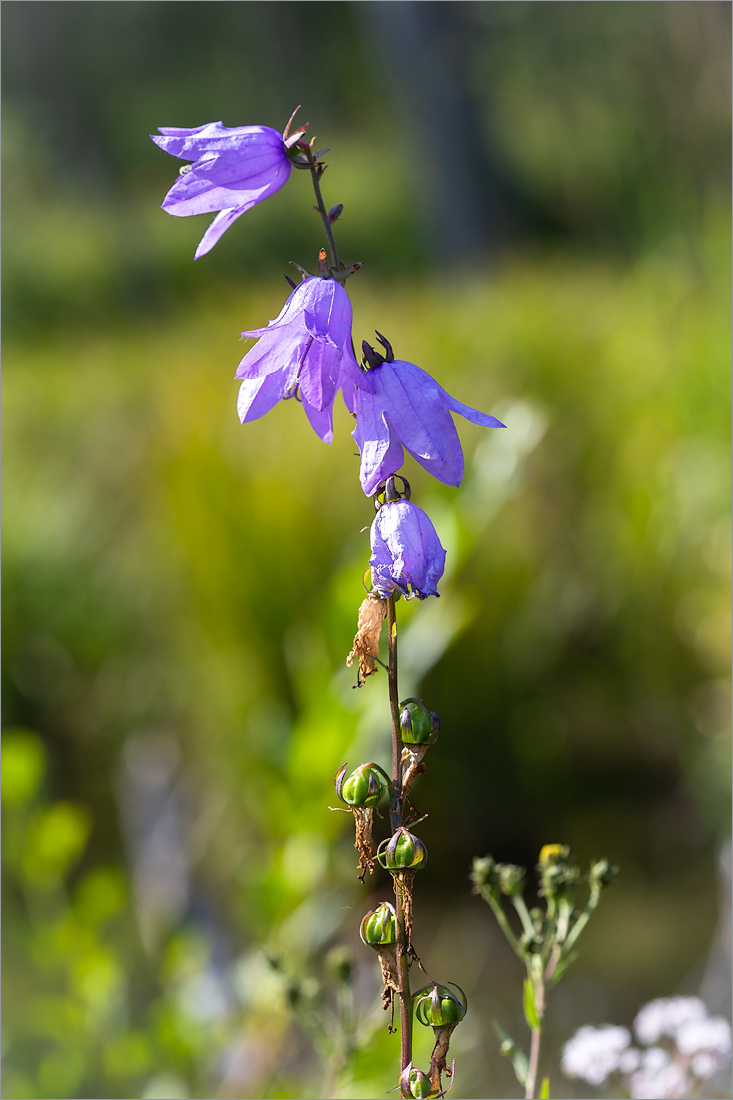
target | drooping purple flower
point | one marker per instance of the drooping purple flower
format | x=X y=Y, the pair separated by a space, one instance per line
x=305 y=352
x=233 y=169
x=406 y=553
x=407 y=408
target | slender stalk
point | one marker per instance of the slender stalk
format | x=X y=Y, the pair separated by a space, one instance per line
x=395 y=808
x=534 y=1049
x=395 y=814
x=324 y=214
x=523 y=913
x=503 y=923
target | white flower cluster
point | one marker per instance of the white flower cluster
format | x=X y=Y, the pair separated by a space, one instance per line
x=685 y=1046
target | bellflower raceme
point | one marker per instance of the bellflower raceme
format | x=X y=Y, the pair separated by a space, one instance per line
x=407 y=408
x=307 y=352
x=406 y=553
x=233 y=169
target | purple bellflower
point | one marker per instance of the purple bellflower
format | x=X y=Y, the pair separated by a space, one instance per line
x=305 y=352
x=233 y=169
x=406 y=553
x=407 y=408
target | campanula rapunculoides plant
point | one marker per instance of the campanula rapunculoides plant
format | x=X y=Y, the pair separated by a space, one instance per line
x=307 y=353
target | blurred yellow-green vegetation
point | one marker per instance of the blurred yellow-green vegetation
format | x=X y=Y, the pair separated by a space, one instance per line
x=540 y=194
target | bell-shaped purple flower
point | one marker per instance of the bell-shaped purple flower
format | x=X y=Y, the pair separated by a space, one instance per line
x=407 y=408
x=406 y=553
x=233 y=169
x=305 y=352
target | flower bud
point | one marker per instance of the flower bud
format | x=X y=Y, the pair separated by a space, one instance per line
x=419 y=725
x=511 y=879
x=364 y=787
x=436 y=1005
x=558 y=874
x=601 y=873
x=378 y=927
x=415 y=1083
x=402 y=852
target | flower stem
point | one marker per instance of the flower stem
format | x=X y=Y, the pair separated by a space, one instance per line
x=534 y=1048
x=395 y=815
x=534 y=1059
x=395 y=808
x=315 y=177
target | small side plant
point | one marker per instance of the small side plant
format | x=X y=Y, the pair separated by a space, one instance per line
x=546 y=939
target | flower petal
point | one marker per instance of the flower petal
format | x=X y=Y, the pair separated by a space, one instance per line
x=219 y=226
x=449 y=468
x=414 y=404
x=380 y=448
x=321 y=421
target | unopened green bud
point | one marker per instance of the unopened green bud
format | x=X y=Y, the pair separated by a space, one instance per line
x=418 y=724
x=378 y=927
x=436 y=1005
x=364 y=787
x=602 y=873
x=484 y=873
x=402 y=852
x=511 y=879
x=415 y=1083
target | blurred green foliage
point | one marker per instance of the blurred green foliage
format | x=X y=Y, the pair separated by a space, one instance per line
x=181 y=593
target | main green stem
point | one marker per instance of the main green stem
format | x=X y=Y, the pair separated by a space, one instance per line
x=395 y=815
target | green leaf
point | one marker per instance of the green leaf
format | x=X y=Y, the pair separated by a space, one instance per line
x=562 y=967
x=530 y=1011
x=520 y=1062
x=544 y=1093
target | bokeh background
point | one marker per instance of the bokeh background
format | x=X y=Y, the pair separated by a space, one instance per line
x=540 y=195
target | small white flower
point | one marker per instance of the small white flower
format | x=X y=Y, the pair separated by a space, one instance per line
x=666 y=1016
x=668 y=1082
x=712 y=1035
x=705 y=1065
x=593 y=1053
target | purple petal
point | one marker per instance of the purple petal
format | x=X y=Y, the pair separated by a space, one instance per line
x=472 y=414
x=195 y=193
x=219 y=226
x=448 y=469
x=190 y=144
x=414 y=404
x=380 y=449
x=276 y=350
x=258 y=395
x=319 y=374
x=320 y=420
x=406 y=551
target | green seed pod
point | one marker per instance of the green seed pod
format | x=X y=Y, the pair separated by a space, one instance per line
x=402 y=852
x=435 y=1005
x=364 y=787
x=378 y=927
x=415 y=1083
x=419 y=725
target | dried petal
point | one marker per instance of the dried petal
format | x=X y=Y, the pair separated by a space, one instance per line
x=366 y=640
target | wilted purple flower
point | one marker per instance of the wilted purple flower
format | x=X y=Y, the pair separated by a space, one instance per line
x=407 y=408
x=406 y=553
x=233 y=169
x=307 y=352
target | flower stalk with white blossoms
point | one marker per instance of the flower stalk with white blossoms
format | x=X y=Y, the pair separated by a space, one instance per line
x=307 y=353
